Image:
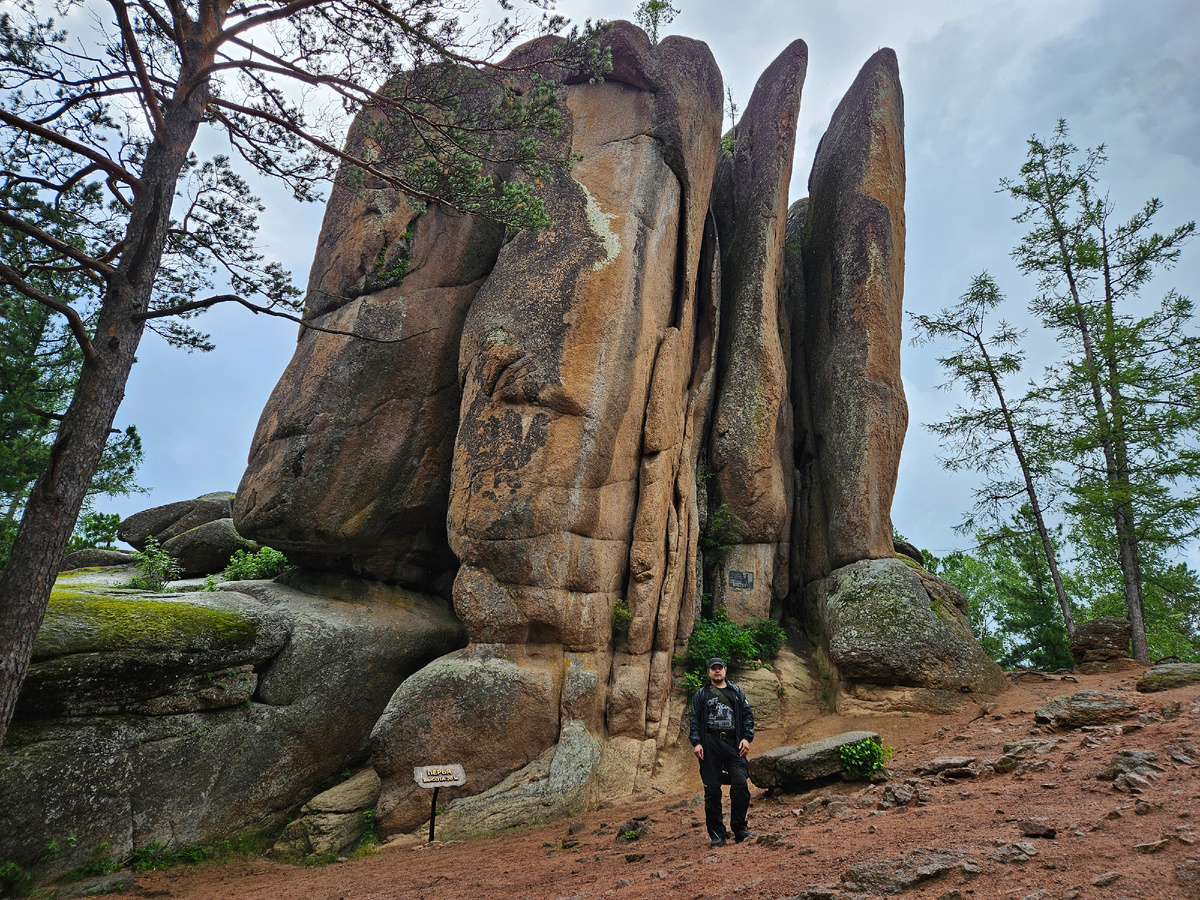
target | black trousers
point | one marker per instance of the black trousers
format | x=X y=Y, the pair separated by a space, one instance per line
x=721 y=756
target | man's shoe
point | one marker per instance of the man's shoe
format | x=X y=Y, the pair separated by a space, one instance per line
x=716 y=839
x=743 y=835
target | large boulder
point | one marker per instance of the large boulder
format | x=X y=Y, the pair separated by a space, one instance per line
x=349 y=469
x=177 y=764
x=165 y=522
x=476 y=707
x=853 y=269
x=752 y=431
x=793 y=768
x=1165 y=676
x=879 y=626
x=208 y=548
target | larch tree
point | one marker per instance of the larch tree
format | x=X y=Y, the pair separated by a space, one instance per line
x=1128 y=392
x=995 y=430
x=114 y=111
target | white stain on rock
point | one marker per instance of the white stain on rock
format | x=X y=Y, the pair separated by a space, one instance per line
x=599 y=221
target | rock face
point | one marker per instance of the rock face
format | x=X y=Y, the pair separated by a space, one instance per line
x=750 y=453
x=682 y=386
x=231 y=709
x=350 y=466
x=853 y=259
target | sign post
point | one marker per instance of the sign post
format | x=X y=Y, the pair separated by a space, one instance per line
x=436 y=777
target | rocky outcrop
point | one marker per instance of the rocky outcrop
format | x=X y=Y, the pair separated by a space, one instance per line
x=165 y=522
x=681 y=386
x=750 y=453
x=190 y=756
x=853 y=262
x=1102 y=645
x=880 y=628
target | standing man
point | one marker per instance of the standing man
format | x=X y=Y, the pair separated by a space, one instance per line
x=722 y=727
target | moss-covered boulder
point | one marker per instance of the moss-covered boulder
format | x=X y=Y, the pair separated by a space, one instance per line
x=103 y=652
x=171 y=760
x=880 y=626
x=1168 y=675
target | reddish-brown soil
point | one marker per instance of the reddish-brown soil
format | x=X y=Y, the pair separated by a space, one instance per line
x=1094 y=854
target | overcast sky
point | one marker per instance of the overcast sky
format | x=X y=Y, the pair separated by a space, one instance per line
x=979 y=78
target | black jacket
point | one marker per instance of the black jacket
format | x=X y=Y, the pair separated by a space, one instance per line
x=743 y=716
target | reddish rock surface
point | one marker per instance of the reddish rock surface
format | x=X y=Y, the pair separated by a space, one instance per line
x=750 y=453
x=854 y=284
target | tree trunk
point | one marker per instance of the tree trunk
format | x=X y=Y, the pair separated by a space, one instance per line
x=1031 y=491
x=58 y=495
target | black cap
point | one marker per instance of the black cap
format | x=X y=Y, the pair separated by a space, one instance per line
x=716 y=661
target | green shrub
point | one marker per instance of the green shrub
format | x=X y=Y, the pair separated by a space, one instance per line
x=621 y=615
x=719 y=533
x=266 y=563
x=738 y=645
x=14 y=881
x=155 y=568
x=864 y=758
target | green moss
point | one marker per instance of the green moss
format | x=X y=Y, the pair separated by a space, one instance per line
x=85 y=622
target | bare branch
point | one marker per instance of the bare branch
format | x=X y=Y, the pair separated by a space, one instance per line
x=116 y=171
x=78 y=329
x=59 y=246
x=149 y=98
x=56 y=417
x=266 y=310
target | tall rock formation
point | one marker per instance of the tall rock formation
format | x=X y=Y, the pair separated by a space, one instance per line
x=535 y=427
x=887 y=634
x=751 y=441
x=853 y=251
x=350 y=466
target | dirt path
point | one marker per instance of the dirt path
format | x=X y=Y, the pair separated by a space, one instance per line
x=960 y=839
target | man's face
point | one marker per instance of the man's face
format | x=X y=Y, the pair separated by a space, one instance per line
x=716 y=673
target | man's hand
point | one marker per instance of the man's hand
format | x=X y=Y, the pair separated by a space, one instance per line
x=699 y=751
x=743 y=748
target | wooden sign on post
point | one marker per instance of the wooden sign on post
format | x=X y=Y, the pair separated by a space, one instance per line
x=449 y=775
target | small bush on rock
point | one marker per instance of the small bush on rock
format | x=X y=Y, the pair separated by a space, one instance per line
x=155 y=568
x=266 y=563
x=864 y=758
